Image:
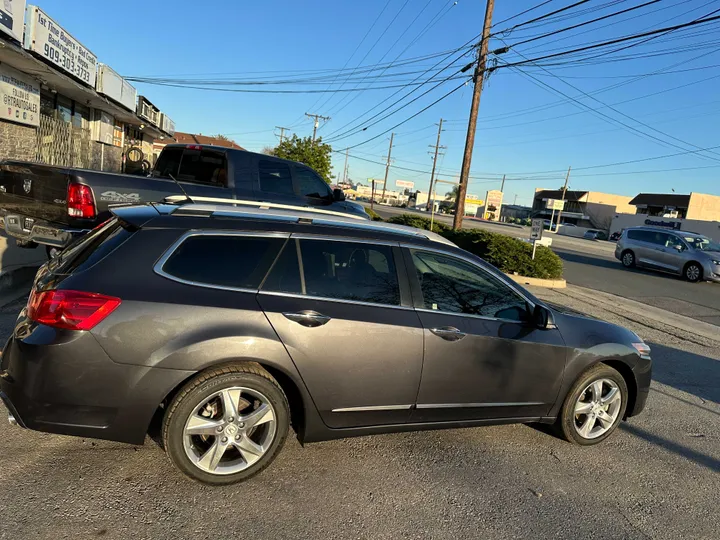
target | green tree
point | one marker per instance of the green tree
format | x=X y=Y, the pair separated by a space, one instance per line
x=315 y=155
x=222 y=137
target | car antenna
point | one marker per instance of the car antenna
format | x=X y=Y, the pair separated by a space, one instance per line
x=181 y=188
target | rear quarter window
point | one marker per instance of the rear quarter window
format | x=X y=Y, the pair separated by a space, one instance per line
x=91 y=248
x=228 y=261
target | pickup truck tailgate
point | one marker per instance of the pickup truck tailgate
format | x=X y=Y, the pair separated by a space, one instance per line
x=34 y=190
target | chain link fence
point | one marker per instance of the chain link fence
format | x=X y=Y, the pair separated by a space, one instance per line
x=61 y=143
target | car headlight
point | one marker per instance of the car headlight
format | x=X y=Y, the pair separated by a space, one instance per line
x=716 y=262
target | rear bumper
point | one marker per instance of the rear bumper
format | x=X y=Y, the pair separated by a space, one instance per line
x=63 y=382
x=38 y=231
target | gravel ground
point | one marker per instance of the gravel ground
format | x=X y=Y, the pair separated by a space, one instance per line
x=657 y=477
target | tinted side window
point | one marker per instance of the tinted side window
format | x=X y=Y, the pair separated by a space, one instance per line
x=285 y=274
x=203 y=167
x=311 y=185
x=275 y=177
x=224 y=260
x=350 y=271
x=454 y=286
x=168 y=163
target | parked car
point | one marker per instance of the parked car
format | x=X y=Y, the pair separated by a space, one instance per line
x=48 y=205
x=235 y=324
x=690 y=255
x=593 y=234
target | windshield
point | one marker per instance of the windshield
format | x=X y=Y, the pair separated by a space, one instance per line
x=702 y=243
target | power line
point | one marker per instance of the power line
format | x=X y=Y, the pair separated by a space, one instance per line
x=522 y=13
x=707 y=19
x=541 y=17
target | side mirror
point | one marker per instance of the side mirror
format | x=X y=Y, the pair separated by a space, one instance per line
x=541 y=317
x=338 y=195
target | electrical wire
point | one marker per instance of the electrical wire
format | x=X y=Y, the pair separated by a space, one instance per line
x=522 y=13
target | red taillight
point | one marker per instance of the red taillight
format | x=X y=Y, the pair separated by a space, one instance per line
x=193 y=147
x=72 y=310
x=80 y=201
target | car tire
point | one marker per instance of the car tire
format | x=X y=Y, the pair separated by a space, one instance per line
x=693 y=272
x=628 y=259
x=588 y=417
x=197 y=428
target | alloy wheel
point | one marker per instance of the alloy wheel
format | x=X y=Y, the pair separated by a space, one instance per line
x=628 y=259
x=230 y=430
x=692 y=272
x=597 y=408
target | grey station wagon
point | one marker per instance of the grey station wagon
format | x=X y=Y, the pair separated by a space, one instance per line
x=693 y=256
x=233 y=325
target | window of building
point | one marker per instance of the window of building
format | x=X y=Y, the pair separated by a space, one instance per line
x=81 y=117
x=224 y=260
x=117 y=134
x=47 y=104
x=64 y=109
x=275 y=177
x=455 y=286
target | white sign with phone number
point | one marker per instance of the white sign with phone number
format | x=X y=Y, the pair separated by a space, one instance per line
x=48 y=39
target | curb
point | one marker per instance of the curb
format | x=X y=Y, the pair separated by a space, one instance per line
x=614 y=303
x=537 y=282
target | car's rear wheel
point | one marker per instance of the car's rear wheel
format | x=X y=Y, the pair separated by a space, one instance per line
x=227 y=424
x=693 y=272
x=628 y=259
x=594 y=406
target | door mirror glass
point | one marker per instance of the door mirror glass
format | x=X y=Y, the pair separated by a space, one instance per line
x=338 y=195
x=541 y=317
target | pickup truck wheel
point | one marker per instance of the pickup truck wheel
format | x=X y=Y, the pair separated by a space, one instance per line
x=227 y=424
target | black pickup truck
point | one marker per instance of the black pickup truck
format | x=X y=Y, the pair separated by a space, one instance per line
x=45 y=204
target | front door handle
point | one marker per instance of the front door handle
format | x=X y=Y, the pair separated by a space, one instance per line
x=448 y=333
x=309 y=318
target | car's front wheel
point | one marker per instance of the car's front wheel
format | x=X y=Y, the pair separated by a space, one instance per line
x=693 y=272
x=628 y=259
x=227 y=424
x=594 y=406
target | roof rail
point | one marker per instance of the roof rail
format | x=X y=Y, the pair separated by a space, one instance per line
x=299 y=214
x=177 y=199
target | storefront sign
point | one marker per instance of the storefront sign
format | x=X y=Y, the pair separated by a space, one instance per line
x=404 y=184
x=12 y=18
x=555 y=204
x=115 y=87
x=46 y=38
x=659 y=223
x=19 y=97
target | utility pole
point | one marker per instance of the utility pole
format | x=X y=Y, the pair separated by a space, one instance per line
x=567 y=177
x=387 y=165
x=316 y=123
x=432 y=174
x=502 y=186
x=478 y=79
x=282 y=132
x=515 y=201
x=345 y=169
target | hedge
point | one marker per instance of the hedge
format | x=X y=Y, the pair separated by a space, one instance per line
x=508 y=254
x=373 y=214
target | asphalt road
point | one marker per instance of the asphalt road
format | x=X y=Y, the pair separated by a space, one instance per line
x=593 y=265
x=657 y=477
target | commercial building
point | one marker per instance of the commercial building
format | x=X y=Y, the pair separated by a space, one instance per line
x=693 y=206
x=696 y=212
x=583 y=208
x=59 y=105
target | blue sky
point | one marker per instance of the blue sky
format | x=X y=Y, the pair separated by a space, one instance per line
x=525 y=131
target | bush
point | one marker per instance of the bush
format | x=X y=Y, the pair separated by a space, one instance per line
x=373 y=214
x=419 y=222
x=509 y=255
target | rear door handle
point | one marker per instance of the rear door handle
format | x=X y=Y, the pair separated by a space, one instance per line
x=448 y=333
x=309 y=318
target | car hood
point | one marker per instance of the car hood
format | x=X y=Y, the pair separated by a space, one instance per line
x=569 y=311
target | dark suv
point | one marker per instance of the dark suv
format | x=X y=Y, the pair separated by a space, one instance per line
x=235 y=324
